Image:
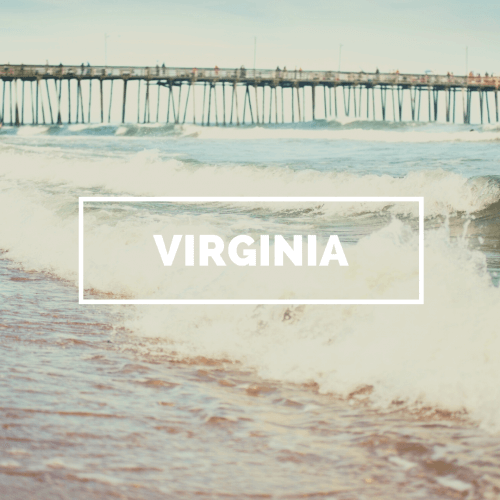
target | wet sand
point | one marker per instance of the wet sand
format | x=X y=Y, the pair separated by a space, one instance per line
x=88 y=412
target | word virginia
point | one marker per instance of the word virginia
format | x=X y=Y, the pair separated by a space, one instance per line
x=212 y=247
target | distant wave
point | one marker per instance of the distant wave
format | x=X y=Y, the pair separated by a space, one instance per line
x=355 y=130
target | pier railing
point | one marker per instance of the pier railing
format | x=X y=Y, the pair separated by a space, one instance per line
x=240 y=74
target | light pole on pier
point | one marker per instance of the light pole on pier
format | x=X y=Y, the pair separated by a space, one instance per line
x=466 y=61
x=254 y=53
x=340 y=55
x=106 y=36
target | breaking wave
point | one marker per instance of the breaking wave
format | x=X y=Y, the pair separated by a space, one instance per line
x=351 y=130
x=443 y=354
x=445 y=192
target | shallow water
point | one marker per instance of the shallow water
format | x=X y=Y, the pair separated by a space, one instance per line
x=249 y=402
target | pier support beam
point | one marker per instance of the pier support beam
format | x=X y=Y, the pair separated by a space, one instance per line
x=186 y=105
x=2 y=119
x=257 y=118
x=413 y=94
x=224 y=102
x=324 y=98
x=250 y=104
x=138 y=101
x=367 y=102
x=447 y=98
x=81 y=101
x=480 y=95
x=50 y=104
x=59 y=118
x=469 y=99
x=282 y=106
x=78 y=93
x=335 y=96
x=22 y=105
x=111 y=102
x=178 y=116
x=487 y=105
x=236 y=104
x=17 y=120
x=203 y=108
x=158 y=103
x=276 y=102
x=37 y=92
x=263 y=104
x=270 y=104
x=435 y=93
x=210 y=103
x=101 y=101
x=32 y=104
x=298 y=103
x=90 y=100
x=347 y=106
x=429 y=98
x=360 y=101
x=373 y=102
x=393 y=106
x=419 y=102
x=464 y=106
x=194 y=102
x=171 y=98
x=10 y=104
x=400 y=91
x=124 y=99
x=454 y=103
x=147 y=117
x=383 y=100
x=354 y=102
x=496 y=103
x=216 y=107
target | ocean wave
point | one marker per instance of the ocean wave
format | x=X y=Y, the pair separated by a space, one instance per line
x=445 y=192
x=335 y=130
x=349 y=132
x=444 y=354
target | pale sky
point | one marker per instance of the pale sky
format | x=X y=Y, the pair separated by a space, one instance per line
x=409 y=35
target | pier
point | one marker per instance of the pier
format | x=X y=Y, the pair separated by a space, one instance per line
x=56 y=95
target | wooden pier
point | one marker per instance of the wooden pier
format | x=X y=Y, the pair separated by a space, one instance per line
x=64 y=95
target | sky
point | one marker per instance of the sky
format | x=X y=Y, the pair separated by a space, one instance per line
x=405 y=35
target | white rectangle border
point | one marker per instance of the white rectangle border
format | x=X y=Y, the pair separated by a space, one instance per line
x=419 y=199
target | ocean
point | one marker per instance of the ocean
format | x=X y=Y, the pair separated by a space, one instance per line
x=249 y=401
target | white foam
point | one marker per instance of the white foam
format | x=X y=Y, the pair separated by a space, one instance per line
x=445 y=192
x=454 y=484
x=401 y=462
x=444 y=354
x=30 y=131
x=339 y=134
